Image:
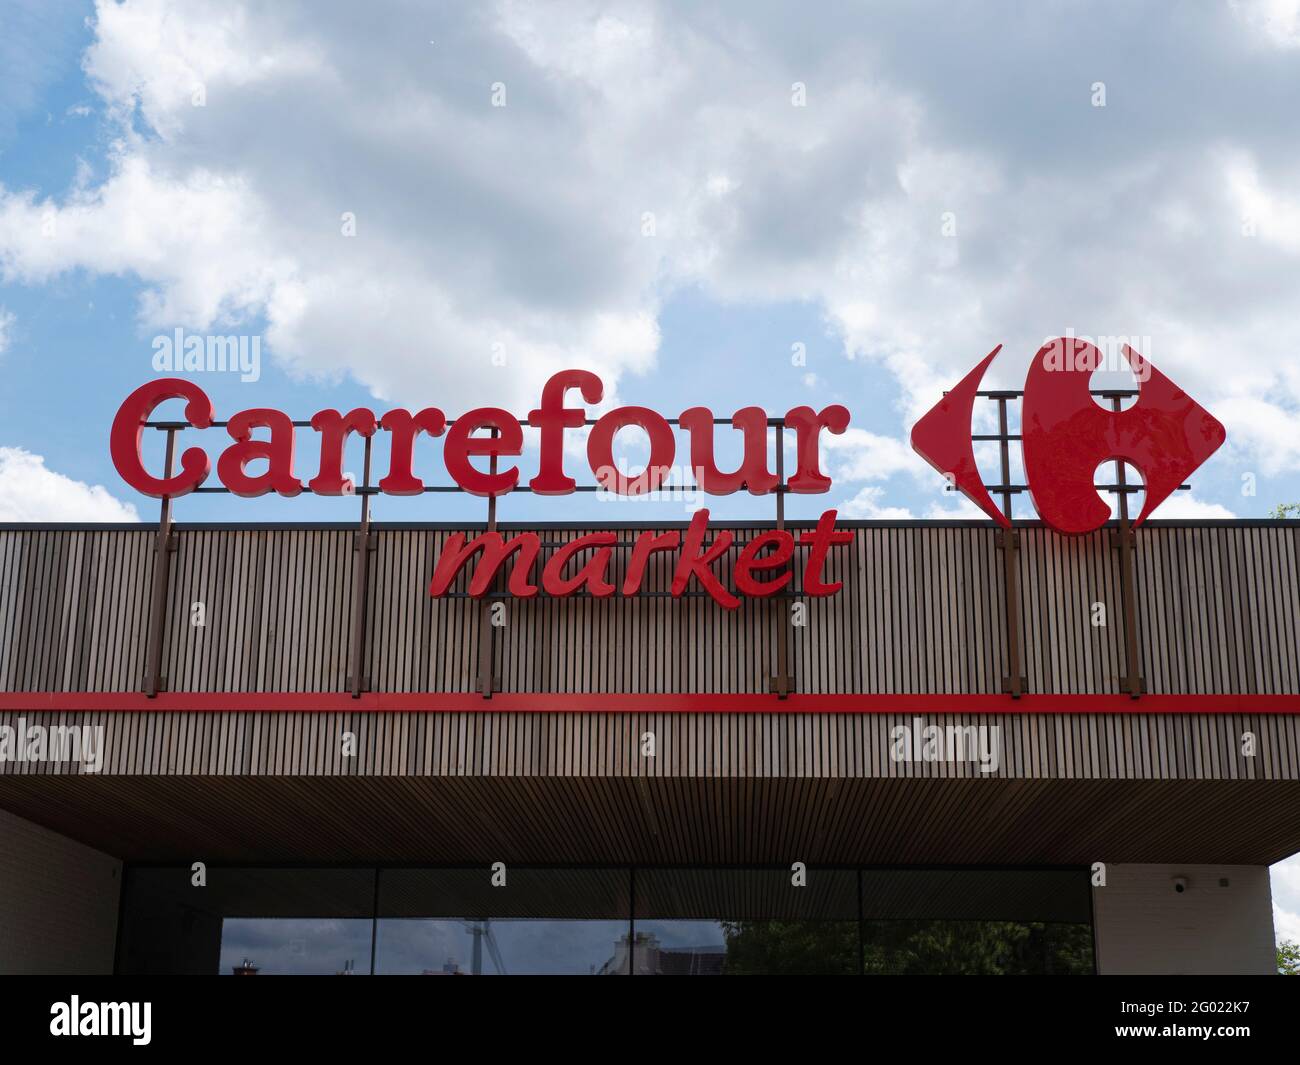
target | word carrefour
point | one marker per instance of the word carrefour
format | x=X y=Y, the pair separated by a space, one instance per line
x=495 y=434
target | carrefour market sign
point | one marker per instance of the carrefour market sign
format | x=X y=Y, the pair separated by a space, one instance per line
x=763 y=566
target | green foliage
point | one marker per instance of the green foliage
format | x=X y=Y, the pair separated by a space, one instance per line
x=1288 y=958
x=908 y=947
x=803 y=947
x=977 y=948
x=1285 y=510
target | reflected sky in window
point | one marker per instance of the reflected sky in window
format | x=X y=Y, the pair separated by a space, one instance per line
x=295 y=946
x=522 y=946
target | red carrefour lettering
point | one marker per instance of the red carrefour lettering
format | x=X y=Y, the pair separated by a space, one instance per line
x=600 y=450
x=593 y=574
x=552 y=418
x=821 y=540
x=493 y=550
x=278 y=453
x=405 y=427
x=465 y=439
x=646 y=544
x=751 y=560
x=808 y=425
x=334 y=429
x=461 y=445
x=752 y=474
x=697 y=561
x=128 y=428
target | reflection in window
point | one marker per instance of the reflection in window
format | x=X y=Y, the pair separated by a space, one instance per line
x=540 y=921
x=502 y=947
x=979 y=948
x=732 y=922
x=745 y=948
x=689 y=922
x=978 y=921
x=294 y=946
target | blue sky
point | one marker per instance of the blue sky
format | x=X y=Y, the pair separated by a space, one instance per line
x=668 y=194
x=897 y=225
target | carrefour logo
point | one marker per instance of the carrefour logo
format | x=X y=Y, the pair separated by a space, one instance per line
x=1065 y=436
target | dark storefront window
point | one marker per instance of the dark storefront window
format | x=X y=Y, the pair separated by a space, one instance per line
x=605 y=921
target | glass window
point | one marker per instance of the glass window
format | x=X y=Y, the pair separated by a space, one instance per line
x=247 y=921
x=976 y=948
x=722 y=922
x=976 y=921
x=692 y=922
x=456 y=922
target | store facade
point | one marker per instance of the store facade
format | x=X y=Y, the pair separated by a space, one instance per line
x=1059 y=746
x=632 y=774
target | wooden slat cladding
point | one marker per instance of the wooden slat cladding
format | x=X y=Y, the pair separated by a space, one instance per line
x=1220 y=609
x=276 y=606
x=921 y=612
x=74 y=608
x=912 y=618
x=831 y=746
x=1061 y=581
x=669 y=821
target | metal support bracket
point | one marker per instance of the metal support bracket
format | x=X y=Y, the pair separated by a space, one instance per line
x=362 y=544
x=781 y=682
x=488 y=682
x=1123 y=541
x=165 y=544
x=1014 y=681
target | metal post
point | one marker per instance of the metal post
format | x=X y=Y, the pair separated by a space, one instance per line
x=163 y=547
x=1124 y=541
x=781 y=682
x=357 y=681
x=486 y=632
x=631 y=921
x=1004 y=447
x=1008 y=542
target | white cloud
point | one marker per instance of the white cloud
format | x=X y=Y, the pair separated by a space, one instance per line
x=1186 y=505
x=866 y=504
x=31 y=492
x=7 y=320
x=1263 y=430
x=955 y=508
x=1276 y=21
x=928 y=209
x=861 y=455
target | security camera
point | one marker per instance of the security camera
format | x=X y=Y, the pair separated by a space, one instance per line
x=1180 y=884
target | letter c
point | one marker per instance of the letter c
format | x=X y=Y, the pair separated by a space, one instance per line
x=128 y=428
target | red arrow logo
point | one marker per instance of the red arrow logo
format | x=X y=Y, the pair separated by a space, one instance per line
x=1066 y=435
x=942 y=437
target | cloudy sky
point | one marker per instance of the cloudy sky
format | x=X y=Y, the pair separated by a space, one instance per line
x=414 y=203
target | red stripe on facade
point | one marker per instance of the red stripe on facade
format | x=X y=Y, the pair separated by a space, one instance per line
x=551 y=702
